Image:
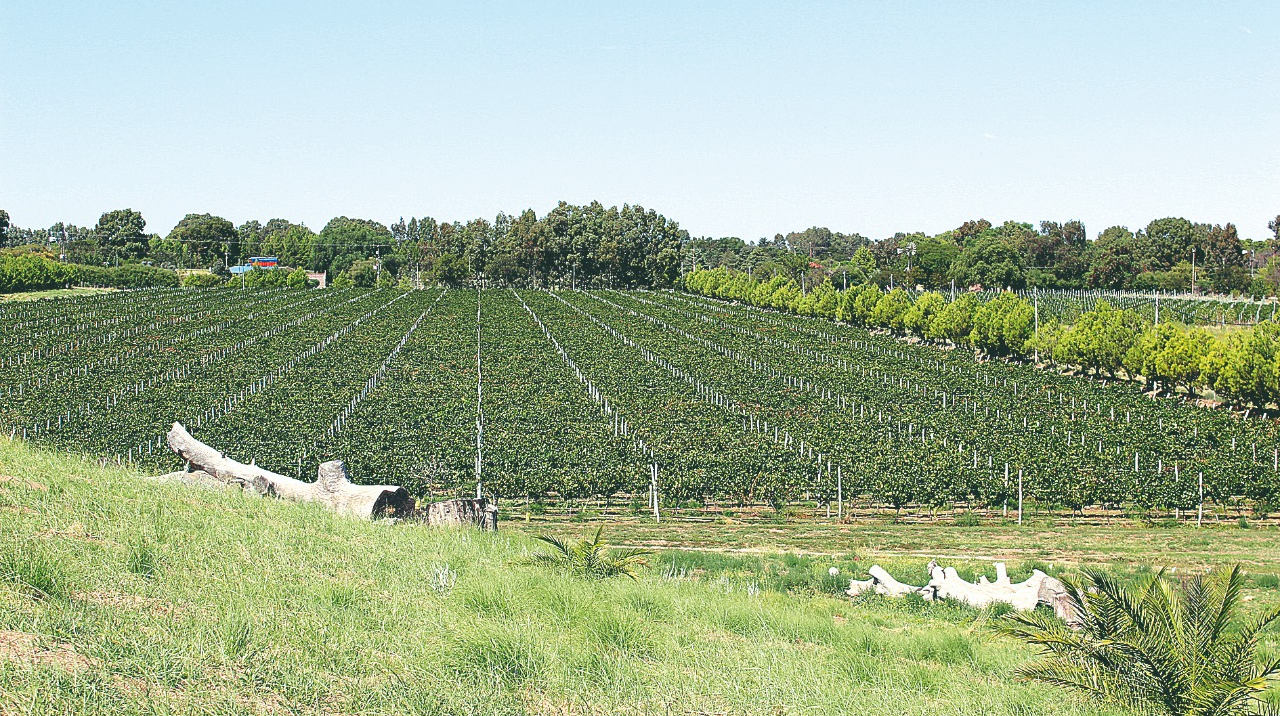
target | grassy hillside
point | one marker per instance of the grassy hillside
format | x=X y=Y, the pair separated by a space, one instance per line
x=124 y=596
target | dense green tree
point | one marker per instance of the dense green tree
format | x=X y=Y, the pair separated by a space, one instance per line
x=1101 y=339
x=865 y=300
x=934 y=256
x=1245 y=366
x=1045 y=344
x=1140 y=359
x=343 y=241
x=1180 y=360
x=1112 y=259
x=121 y=232
x=970 y=230
x=363 y=273
x=450 y=269
x=204 y=237
x=1003 y=326
x=1059 y=249
x=919 y=317
x=293 y=245
x=991 y=262
x=954 y=322
x=249 y=236
x=297 y=278
x=863 y=264
x=891 y=309
x=1165 y=242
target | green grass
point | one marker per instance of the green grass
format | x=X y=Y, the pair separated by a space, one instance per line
x=53 y=293
x=136 y=597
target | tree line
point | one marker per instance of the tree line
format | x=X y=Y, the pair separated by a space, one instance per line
x=571 y=245
x=1168 y=254
x=590 y=245
x=1241 y=366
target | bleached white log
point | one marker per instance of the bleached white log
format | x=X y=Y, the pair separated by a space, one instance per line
x=331 y=488
x=885 y=583
x=946 y=583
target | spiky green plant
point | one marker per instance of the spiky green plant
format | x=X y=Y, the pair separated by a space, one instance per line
x=591 y=557
x=1156 y=645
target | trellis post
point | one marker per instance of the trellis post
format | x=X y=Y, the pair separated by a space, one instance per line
x=1019 y=495
x=1200 y=507
x=839 y=492
x=653 y=491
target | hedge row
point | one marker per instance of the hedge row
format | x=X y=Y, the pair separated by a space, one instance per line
x=34 y=272
x=1242 y=366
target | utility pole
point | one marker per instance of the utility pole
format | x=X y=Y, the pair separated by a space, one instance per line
x=1193 y=270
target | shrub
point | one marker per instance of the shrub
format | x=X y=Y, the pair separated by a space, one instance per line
x=32 y=272
x=201 y=280
x=126 y=276
x=590 y=557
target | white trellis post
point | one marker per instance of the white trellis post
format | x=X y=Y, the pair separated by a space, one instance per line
x=839 y=492
x=1200 y=507
x=653 y=491
x=1019 y=495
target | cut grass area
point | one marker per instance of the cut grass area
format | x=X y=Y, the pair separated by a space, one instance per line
x=795 y=556
x=1124 y=544
x=124 y=596
x=54 y=293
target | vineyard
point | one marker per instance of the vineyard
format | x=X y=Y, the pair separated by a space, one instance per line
x=642 y=395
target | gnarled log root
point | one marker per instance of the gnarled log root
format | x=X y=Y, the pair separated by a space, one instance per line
x=945 y=583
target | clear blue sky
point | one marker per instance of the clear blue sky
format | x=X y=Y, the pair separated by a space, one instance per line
x=733 y=118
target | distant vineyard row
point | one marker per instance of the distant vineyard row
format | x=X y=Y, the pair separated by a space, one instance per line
x=583 y=393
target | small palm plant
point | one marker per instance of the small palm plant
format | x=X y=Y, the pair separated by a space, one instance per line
x=591 y=557
x=1155 y=645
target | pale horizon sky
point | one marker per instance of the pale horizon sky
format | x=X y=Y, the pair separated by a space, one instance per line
x=734 y=119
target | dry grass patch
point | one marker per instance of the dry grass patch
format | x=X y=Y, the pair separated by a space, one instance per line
x=125 y=602
x=24 y=648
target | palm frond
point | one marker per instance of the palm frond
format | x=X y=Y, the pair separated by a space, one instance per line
x=1156 y=645
x=591 y=556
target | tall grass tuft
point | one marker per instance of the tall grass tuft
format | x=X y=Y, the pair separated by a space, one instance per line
x=500 y=657
x=35 y=572
x=144 y=558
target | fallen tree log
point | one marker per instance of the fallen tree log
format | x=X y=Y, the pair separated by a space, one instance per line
x=946 y=583
x=332 y=488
